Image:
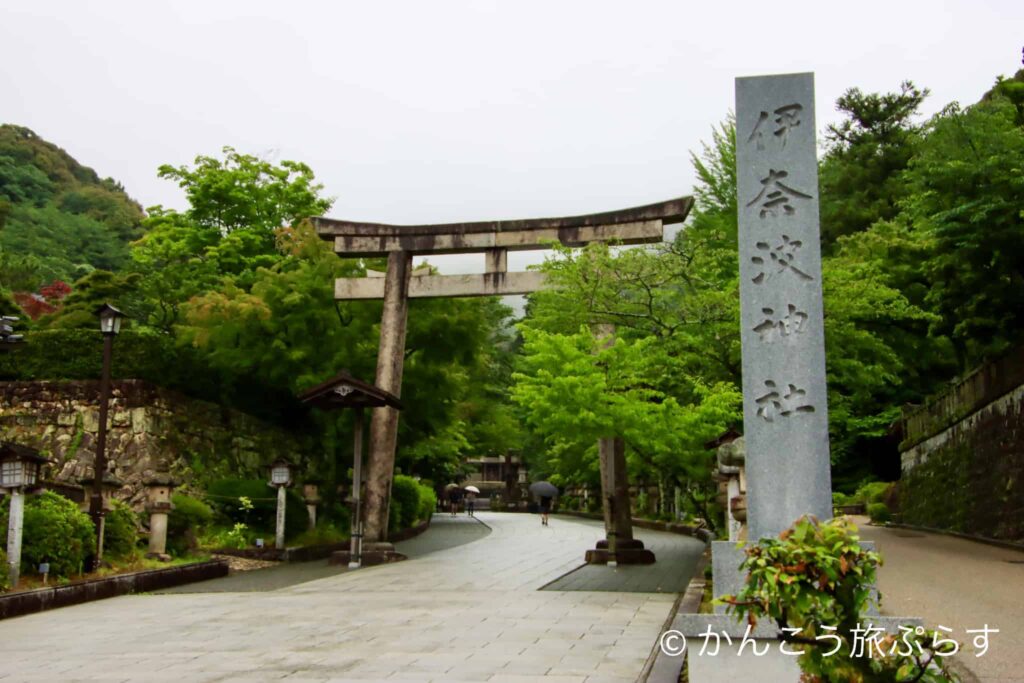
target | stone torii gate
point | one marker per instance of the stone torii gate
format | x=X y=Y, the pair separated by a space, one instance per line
x=399 y=243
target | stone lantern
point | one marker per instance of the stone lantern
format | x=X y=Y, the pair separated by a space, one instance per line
x=280 y=477
x=111 y=485
x=158 y=504
x=311 y=495
x=19 y=469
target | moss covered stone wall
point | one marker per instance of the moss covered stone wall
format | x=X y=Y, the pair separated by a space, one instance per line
x=967 y=472
x=151 y=429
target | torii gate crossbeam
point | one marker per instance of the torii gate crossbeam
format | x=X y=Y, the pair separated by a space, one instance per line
x=399 y=243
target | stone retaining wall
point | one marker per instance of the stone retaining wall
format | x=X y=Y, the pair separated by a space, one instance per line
x=963 y=455
x=151 y=429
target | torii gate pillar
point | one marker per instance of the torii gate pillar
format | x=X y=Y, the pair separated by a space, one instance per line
x=384 y=421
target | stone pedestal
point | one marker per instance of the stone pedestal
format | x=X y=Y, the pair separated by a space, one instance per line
x=158 y=531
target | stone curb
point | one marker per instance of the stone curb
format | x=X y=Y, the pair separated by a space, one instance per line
x=30 y=602
x=660 y=666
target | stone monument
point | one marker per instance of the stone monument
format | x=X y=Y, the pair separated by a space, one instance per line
x=785 y=412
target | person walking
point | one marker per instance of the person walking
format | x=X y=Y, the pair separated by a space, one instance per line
x=470 y=503
x=545 y=509
x=453 y=501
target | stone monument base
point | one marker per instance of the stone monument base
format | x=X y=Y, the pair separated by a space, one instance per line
x=373 y=554
x=726 y=664
x=626 y=552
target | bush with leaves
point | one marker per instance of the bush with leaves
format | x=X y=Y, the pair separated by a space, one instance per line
x=411 y=503
x=872 y=492
x=428 y=502
x=816 y=575
x=224 y=496
x=120 y=531
x=186 y=521
x=879 y=513
x=54 y=530
x=5 y=579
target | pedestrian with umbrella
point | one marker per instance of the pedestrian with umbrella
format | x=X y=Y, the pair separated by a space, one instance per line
x=546 y=491
x=471 y=492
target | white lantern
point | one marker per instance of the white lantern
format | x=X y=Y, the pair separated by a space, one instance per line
x=19 y=466
x=110 y=319
x=280 y=473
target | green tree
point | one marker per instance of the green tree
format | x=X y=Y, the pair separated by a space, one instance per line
x=861 y=176
x=244 y=192
x=967 y=199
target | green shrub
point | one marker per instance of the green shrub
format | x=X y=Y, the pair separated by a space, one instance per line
x=428 y=503
x=54 y=531
x=405 y=492
x=879 y=513
x=186 y=521
x=871 y=492
x=395 y=515
x=814 y=576
x=840 y=499
x=5 y=579
x=224 y=495
x=337 y=515
x=120 y=531
x=325 y=533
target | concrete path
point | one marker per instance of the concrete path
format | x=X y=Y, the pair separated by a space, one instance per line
x=959 y=584
x=472 y=613
x=444 y=533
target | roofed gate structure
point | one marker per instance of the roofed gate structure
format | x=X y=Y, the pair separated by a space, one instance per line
x=400 y=243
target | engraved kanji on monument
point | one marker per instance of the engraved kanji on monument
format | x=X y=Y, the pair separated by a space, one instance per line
x=785 y=415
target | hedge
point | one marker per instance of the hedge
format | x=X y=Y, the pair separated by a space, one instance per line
x=54 y=531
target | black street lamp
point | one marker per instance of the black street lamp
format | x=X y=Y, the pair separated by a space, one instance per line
x=110 y=325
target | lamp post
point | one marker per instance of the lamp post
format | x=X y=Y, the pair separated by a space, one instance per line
x=281 y=477
x=19 y=469
x=110 y=325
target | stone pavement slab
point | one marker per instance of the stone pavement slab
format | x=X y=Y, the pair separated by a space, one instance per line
x=468 y=613
x=677 y=558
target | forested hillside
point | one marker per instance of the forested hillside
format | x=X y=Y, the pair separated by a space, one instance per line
x=58 y=219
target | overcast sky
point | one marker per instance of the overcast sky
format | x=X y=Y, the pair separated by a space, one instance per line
x=421 y=112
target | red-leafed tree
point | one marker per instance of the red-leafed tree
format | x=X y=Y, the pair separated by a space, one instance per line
x=34 y=305
x=55 y=291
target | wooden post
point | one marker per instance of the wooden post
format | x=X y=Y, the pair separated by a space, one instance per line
x=384 y=421
x=356 y=551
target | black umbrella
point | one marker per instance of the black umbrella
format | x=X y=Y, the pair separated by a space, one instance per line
x=543 y=489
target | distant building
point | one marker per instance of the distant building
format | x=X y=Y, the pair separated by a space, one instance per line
x=502 y=474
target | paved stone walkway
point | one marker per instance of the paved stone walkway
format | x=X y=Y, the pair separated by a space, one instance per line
x=444 y=533
x=472 y=613
x=677 y=561
x=959 y=584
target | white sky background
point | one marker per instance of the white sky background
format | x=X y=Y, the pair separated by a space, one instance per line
x=431 y=112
